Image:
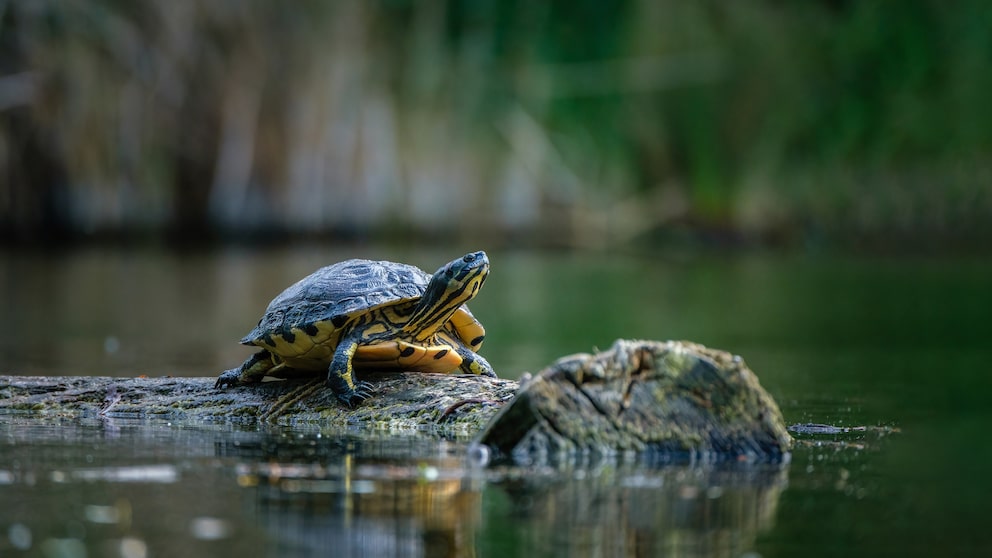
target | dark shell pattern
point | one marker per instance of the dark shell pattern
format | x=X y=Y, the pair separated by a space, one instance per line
x=337 y=292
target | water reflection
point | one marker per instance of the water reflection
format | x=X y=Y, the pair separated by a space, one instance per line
x=357 y=496
x=362 y=499
x=362 y=510
x=162 y=489
x=646 y=511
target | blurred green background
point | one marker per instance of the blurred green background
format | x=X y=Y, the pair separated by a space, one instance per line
x=578 y=123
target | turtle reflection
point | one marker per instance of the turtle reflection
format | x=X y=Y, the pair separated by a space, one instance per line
x=364 y=499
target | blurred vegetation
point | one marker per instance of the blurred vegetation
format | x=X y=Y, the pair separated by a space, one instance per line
x=579 y=122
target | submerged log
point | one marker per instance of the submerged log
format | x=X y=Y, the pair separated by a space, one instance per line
x=639 y=395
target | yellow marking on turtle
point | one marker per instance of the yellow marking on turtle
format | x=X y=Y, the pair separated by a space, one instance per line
x=346 y=374
x=396 y=315
x=401 y=355
x=259 y=369
x=318 y=354
x=302 y=343
x=326 y=333
x=466 y=327
x=377 y=328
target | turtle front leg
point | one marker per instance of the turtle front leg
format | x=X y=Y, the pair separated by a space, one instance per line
x=341 y=373
x=251 y=372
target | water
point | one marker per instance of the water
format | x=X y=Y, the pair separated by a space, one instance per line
x=896 y=345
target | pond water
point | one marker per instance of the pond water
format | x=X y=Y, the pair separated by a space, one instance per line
x=896 y=345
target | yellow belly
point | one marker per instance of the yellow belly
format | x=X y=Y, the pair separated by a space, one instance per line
x=400 y=355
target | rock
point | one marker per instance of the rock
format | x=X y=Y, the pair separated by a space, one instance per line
x=676 y=399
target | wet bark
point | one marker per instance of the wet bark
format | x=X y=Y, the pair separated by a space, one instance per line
x=402 y=400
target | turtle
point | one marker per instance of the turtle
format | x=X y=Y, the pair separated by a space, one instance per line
x=369 y=315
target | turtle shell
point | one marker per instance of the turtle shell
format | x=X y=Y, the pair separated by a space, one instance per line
x=304 y=321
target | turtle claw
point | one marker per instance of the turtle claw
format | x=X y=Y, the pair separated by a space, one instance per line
x=228 y=378
x=362 y=391
x=365 y=388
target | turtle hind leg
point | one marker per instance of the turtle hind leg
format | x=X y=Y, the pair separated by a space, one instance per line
x=341 y=374
x=251 y=372
x=473 y=363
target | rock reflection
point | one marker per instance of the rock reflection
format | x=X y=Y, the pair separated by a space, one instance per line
x=646 y=511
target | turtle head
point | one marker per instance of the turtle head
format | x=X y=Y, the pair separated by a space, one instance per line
x=454 y=284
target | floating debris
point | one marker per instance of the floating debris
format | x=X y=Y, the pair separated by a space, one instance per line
x=165 y=474
x=210 y=528
x=19 y=536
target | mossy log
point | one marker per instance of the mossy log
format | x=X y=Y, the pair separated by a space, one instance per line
x=402 y=400
x=670 y=397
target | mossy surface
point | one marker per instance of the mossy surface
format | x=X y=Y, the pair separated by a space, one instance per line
x=403 y=401
x=673 y=397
